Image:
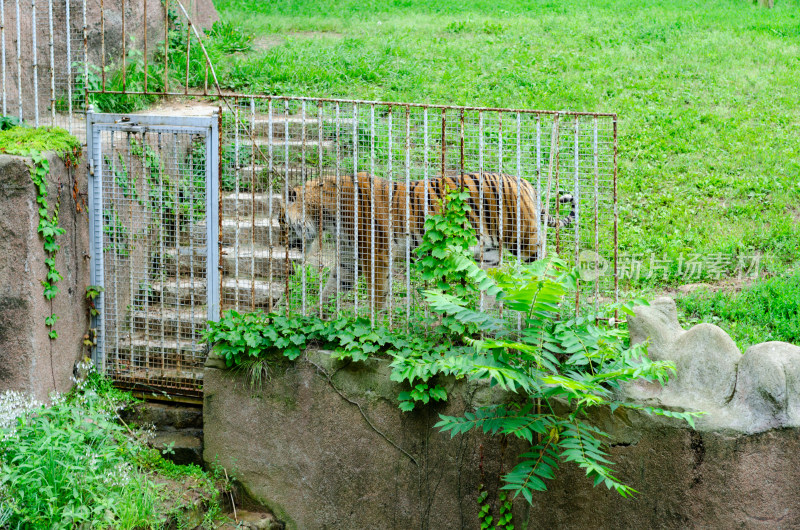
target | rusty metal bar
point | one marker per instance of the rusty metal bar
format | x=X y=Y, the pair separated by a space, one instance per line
x=390 y=228
x=237 y=190
x=319 y=212
x=85 y=60
x=52 y=64
x=252 y=205
x=577 y=198
x=372 y=212
x=166 y=47
x=616 y=224
x=356 y=207
x=3 y=44
x=287 y=263
x=124 y=48
x=103 y=43
x=35 y=66
x=146 y=70
x=188 y=54
x=444 y=141
x=481 y=229
x=271 y=162
x=69 y=67
x=408 y=215
x=596 y=161
x=338 y=252
x=303 y=176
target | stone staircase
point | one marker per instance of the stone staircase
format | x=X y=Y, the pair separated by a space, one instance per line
x=162 y=329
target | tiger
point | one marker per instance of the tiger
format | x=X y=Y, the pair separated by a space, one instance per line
x=311 y=210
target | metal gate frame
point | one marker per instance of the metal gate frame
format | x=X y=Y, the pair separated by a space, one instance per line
x=209 y=128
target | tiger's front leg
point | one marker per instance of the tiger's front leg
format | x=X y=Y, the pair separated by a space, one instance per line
x=342 y=277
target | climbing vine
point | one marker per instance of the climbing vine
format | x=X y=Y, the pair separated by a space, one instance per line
x=26 y=141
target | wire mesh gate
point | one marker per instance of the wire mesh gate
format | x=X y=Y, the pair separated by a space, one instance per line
x=154 y=233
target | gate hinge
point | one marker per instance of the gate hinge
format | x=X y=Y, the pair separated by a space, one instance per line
x=91 y=167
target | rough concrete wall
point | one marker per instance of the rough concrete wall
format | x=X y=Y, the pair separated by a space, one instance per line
x=202 y=12
x=307 y=452
x=29 y=360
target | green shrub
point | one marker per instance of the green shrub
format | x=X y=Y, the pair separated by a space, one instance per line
x=72 y=465
x=767 y=310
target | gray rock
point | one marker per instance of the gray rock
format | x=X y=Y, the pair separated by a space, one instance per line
x=768 y=387
x=705 y=358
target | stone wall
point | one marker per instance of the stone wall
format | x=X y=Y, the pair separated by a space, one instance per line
x=324 y=445
x=29 y=360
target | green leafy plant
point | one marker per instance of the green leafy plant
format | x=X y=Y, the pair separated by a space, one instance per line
x=444 y=258
x=559 y=368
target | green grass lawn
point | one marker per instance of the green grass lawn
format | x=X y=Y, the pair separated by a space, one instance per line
x=708 y=93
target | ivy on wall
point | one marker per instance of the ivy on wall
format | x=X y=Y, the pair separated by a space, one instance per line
x=29 y=142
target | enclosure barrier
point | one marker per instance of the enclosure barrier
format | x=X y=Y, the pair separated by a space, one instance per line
x=321 y=201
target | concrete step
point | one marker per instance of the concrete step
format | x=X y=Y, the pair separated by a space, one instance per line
x=294 y=143
x=174 y=292
x=184 y=322
x=242 y=291
x=141 y=352
x=185 y=261
x=246 y=229
x=259 y=261
x=242 y=203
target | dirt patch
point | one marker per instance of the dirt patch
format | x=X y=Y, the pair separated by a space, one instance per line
x=181 y=107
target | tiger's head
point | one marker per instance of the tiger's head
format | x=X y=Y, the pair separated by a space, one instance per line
x=299 y=217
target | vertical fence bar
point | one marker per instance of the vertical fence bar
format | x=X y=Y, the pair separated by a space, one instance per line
x=124 y=50
x=163 y=188
x=552 y=167
x=481 y=227
x=148 y=270
x=118 y=236
x=356 y=207
x=408 y=215
x=192 y=176
x=444 y=146
x=166 y=46
x=337 y=240
x=539 y=233
x=500 y=225
x=85 y=59
x=237 y=191
x=304 y=277
x=188 y=54
x=3 y=45
x=127 y=168
x=319 y=212
x=389 y=228
x=19 y=64
x=596 y=214
x=425 y=170
x=69 y=65
x=52 y=63
x=252 y=204
x=103 y=44
x=372 y=212
x=34 y=50
x=519 y=205
x=616 y=223
x=286 y=263
x=271 y=168
x=576 y=197
x=146 y=72
x=177 y=226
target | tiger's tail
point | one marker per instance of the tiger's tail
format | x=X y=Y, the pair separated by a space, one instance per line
x=566 y=220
